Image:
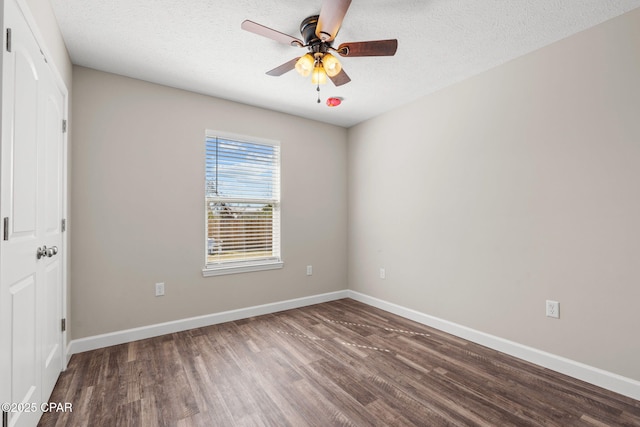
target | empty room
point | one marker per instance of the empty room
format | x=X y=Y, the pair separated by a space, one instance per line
x=317 y=213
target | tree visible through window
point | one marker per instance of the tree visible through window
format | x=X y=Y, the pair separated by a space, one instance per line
x=242 y=195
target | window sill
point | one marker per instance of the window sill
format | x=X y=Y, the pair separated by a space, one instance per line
x=220 y=270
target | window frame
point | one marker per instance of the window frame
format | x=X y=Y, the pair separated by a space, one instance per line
x=248 y=265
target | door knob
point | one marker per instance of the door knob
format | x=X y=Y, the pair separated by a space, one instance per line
x=41 y=252
x=46 y=252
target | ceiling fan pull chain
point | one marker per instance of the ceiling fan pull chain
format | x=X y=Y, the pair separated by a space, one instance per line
x=318 y=89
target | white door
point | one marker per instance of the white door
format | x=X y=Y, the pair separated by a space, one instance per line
x=32 y=194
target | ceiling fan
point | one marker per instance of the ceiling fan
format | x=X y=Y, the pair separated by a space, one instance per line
x=318 y=33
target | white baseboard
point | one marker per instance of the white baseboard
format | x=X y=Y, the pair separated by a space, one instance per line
x=601 y=378
x=128 y=335
x=607 y=380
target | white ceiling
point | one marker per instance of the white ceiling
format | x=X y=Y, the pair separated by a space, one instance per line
x=197 y=45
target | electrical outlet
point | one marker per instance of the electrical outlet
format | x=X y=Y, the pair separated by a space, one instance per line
x=553 y=309
x=159 y=289
x=383 y=273
x=309 y=270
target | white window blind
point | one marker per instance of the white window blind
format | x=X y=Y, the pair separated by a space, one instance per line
x=242 y=203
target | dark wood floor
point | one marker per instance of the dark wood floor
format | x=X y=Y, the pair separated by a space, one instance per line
x=339 y=363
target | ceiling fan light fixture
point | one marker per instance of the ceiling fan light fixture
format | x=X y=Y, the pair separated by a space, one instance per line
x=318 y=33
x=304 y=65
x=319 y=76
x=331 y=65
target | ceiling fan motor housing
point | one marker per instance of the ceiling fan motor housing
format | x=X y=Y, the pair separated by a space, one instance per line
x=308 y=31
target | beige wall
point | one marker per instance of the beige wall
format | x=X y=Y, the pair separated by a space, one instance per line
x=513 y=187
x=138 y=205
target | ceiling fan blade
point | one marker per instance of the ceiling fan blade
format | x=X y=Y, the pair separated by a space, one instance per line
x=370 y=48
x=287 y=66
x=332 y=13
x=340 y=79
x=270 y=33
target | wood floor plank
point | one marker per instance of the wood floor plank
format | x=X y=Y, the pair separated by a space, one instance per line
x=341 y=363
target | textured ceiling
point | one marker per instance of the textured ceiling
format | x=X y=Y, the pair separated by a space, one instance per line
x=198 y=45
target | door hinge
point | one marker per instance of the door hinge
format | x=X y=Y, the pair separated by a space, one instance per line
x=8 y=39
x=64 y=126
x=5 y=228
x=63 y=325
x=63 y=226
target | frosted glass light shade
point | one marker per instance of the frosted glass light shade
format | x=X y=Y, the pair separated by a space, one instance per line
x=319 y=75
x=331 y=65
x=304 y=65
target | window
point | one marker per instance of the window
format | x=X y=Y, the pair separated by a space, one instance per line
x=242 y=195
